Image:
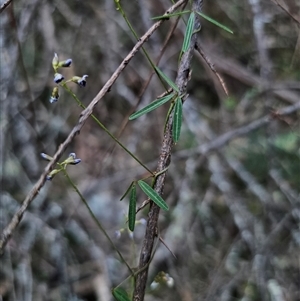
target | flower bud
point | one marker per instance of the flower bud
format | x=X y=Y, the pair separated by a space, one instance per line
x=50 y=176
x=81 y=81
x=72 y=159
x=55 y=61
x=75 y=162
x=72 y=155
x=54 y=96
x=66 y=63
x=46 y=157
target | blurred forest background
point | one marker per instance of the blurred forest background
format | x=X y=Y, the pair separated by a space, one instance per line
x=233 y=183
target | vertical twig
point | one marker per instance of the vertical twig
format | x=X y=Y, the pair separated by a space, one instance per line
x=163 y=162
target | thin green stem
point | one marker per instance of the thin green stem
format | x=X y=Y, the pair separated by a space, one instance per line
x=96 y=220
x=161 y=172
x=119 y=8
x=105 y=129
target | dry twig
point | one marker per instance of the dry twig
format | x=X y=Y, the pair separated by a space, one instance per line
x=4 y=5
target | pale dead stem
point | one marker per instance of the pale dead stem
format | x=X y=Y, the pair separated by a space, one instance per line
x=4 y=5
x=212 y=68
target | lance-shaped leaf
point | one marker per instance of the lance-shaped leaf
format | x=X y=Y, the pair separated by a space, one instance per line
x=132 y=208
x=177 y=120
x=120 y=294
x=153 y=195
x=188 y=32
x=214 y=22
x=151 y=106
x=168 y=81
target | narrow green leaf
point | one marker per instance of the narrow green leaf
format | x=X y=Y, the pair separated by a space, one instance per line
x=188 y=32
x=177 y=120
x=168 y=81
x=127 y=191
x=132 y=208
x=170 y=15
x=151 y=106
x=153 y=195
x=120 y=294
x=214 y=22
x=168 y=115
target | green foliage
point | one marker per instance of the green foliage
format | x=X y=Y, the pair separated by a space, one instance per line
x=132 y=208
x=152 y=106
x=214 y=22
x=167 y=79
x=127 y=191
x=188 y=33
x=153 y=195
x=190 y=25
x=120 y=294
x=177 y=120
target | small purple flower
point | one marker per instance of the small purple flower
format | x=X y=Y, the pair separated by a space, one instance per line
x=53 y=99
x=66 y=63
x=72 y=155
x=58 y=78
x=81 y=81
x=49 y=178
x=46 y=157
x=54 y=96
x=75 y=162
x=72 y=159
